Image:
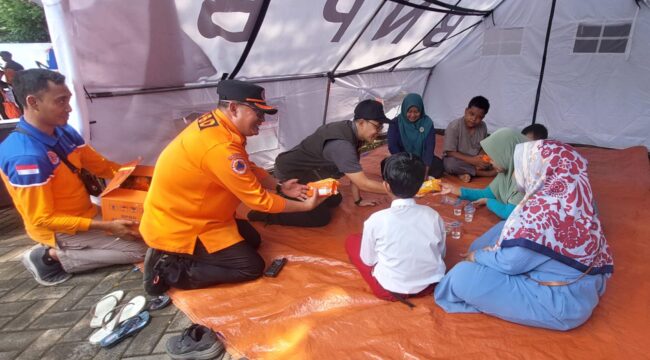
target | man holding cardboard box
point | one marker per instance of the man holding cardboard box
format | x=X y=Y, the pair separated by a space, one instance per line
x=199 y=180
x=35 y=164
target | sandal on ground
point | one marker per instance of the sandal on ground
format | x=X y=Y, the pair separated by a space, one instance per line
x=117 y=316
x=104 y=306
x=128 y=328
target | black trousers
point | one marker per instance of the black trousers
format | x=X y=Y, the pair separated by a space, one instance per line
x=319 y=216
x=237 y=263
x=437 y=168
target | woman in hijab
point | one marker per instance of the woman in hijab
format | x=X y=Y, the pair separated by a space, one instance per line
x=412 y=131
x=547 y=265
x=501 y=196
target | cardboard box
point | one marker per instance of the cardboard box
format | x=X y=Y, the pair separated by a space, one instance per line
x=120 y=202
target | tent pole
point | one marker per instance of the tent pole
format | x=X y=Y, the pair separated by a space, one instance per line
x=327 y=99
x=251 y=39
x=541 y=72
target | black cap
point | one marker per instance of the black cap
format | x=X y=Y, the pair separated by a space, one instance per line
x=242 y=91
x=370 y=110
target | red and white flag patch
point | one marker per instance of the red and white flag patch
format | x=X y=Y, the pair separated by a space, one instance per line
x=27 y=169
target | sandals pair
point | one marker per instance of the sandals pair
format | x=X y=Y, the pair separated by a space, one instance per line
x=116 y=316
x=117 y=322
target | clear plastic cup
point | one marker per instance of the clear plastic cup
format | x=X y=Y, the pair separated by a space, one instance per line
x=447 y=200
x=469 y=212
x=456 y=230
x=458 y=208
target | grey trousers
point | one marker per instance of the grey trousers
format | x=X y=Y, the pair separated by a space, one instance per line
x=455 y=166
x=94 y=249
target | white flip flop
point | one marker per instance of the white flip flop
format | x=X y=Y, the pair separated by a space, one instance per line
x=104 y=306
x=121 y=314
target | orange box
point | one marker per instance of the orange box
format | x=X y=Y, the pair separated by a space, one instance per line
x=124 y=196
x=324 y=187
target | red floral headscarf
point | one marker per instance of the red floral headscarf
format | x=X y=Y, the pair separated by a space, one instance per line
x=557 y=216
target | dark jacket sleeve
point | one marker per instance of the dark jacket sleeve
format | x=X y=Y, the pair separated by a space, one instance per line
x=394 y=139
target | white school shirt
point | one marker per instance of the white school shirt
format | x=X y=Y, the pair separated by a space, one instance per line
x=406 y=244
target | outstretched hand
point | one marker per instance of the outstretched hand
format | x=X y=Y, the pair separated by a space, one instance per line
x=295 y=190
x=314 y=200
x=480 y=202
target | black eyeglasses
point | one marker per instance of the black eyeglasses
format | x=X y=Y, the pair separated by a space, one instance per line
x=377 y=126
x=259 y=113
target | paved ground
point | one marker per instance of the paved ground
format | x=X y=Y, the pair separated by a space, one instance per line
x=38 y=322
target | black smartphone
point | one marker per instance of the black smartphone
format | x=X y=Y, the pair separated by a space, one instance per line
x=274 y=269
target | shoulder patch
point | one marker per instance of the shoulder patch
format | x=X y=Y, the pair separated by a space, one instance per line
x=206 y=120
x=54 y=158
x=239 y=166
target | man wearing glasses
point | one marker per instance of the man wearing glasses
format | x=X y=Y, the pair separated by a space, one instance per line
x=330 y=152
x=199 y=180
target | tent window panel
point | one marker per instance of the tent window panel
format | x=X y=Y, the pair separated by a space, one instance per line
x=621 y=30
x=589 y=30
x=613 y=46
x=510 y=48
x=491 y=49
x=502 y=41
x=585 y=46
x=602 y=38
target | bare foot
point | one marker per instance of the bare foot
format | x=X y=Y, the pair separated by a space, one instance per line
x=465 y=178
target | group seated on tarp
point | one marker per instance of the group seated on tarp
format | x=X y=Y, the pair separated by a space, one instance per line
x=319 y=307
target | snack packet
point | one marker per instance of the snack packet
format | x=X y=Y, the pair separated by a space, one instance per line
x=428 y=186
x=325 y=187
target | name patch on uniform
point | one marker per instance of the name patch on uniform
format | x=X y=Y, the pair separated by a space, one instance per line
x=54 y=158
x=27 y=169
x=239 y=166
x=206 y=121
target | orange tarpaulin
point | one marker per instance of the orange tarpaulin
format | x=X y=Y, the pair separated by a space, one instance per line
x=320 y=308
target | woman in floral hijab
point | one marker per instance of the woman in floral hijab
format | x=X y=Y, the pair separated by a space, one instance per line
x=547 y=265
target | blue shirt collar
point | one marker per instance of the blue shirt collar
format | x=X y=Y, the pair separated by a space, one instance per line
x=38 y=134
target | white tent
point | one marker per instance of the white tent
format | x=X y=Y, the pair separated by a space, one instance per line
x=139 y=68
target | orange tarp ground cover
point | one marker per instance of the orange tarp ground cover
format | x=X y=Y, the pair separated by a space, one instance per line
x=320 y=308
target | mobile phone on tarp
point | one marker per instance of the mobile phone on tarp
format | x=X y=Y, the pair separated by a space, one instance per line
x=274 y=269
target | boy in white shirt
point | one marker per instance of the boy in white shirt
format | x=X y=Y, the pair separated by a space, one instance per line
x=401 y=252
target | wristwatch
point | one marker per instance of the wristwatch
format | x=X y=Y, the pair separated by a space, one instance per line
x=278 y=188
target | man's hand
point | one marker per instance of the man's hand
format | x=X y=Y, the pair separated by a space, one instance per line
x=314 y=201
x=124 y=228
x=293 y=189
x=480 y=202
x=480 y=163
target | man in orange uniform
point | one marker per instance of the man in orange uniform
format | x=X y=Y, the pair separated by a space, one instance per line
x=200 y=179
x=51 y=199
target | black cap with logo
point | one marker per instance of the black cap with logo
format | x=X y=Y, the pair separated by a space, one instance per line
x=242 y=91
x=371 y=110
